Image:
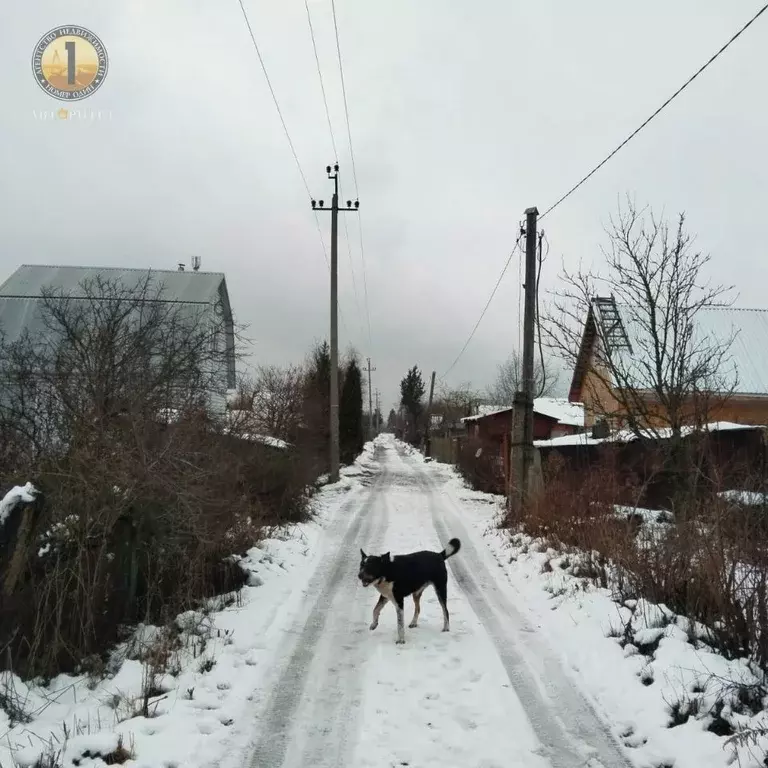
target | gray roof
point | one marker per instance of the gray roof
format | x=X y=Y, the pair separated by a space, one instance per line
x=197 y=292
x=748 y=353
x=185 y=287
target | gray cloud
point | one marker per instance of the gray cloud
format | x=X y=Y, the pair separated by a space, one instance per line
x=462 y=116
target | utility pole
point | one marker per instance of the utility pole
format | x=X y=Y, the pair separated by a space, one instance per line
x=370 y=401
x=521 y=459
x=333 y=174
x=429 y=416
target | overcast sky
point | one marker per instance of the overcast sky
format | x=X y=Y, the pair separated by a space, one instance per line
x=463 y=114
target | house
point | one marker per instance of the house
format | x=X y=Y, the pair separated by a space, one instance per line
x=735 y=457
x=200 y=296
x=553 y=417
x=612 y=332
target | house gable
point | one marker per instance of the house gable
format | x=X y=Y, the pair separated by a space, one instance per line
x=746 y=329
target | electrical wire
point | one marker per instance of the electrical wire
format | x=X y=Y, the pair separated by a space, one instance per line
x=541 y=258
x=322 y=84
x=354 y=167
x=335 y=154
x=648 y=120
x=274 y=99
x=485 y=309
x=519 y=305
x=610 y=155
x=290 y=141
x=354 y=279
x=344 y=95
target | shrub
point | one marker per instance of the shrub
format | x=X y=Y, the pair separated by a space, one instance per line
x=706 y=561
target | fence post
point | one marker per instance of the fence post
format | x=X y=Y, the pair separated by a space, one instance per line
x=29 y=514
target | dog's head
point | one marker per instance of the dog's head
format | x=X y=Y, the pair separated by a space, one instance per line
x=373 y=568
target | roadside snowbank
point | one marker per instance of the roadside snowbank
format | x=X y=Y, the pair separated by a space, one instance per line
x=178 y=699
x=669 y=697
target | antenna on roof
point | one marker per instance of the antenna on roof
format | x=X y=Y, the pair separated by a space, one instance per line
x=195 y=263
x=181 y=266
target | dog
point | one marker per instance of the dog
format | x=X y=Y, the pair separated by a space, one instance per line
x=397 y=577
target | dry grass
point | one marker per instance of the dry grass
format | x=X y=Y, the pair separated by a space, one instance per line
x=707 y=560
x=140 y=528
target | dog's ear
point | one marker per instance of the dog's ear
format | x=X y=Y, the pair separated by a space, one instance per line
x=362 y=554
x=386 y=557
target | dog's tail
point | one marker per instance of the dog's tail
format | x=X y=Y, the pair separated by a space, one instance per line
x=453 y=546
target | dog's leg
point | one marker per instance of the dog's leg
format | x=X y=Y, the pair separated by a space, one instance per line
x=377 y=610
x=400 y=620
x=416 y=607
x=441 y=587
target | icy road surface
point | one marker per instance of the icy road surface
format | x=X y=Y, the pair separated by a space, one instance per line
x=488 y=694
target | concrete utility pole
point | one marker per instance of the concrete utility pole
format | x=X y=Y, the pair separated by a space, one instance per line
x=429 y=416
x=521 y=459
x=370 y=401
x=333 y=174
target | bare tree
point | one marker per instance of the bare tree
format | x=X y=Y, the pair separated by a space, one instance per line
x=109 y=350
x=271 y=402
x=508 y=380
x=453 y=404
x=653 y=365
x=109 y=405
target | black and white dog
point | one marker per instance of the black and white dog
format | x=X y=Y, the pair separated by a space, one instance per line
x=397 y=577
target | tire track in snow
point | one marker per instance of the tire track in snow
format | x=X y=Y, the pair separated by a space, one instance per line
x=561 y=717
x=319 y=732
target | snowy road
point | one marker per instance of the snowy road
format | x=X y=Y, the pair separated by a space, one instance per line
x=489 y=694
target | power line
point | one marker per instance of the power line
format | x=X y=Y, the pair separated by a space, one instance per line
x=354 y=279
x=335 y=154
x=344 y=94
x=322 y=84
x=605 y=160
x=485 y=309
x=288 y=137
x=354 y=166
x=274 y=99
x=648 y=120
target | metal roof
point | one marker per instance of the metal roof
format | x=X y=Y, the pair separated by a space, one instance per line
x=746 y=329
x=198 y=294
x=186 y=287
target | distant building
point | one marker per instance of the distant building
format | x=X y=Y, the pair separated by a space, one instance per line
x=552 y=417
x=204 y=293
x=491 y=426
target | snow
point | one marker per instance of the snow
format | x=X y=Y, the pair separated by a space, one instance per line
x=571 y=414
x=748 y=498
x=604 y=645
x=539 y=670
x=273 y=442
x=204 y=698
x=20 y=493
x=626 y=435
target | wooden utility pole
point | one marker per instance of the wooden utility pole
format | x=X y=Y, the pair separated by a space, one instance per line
x=429 y=416
x=522 y=456
x=333 y=174
x=370 y=401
